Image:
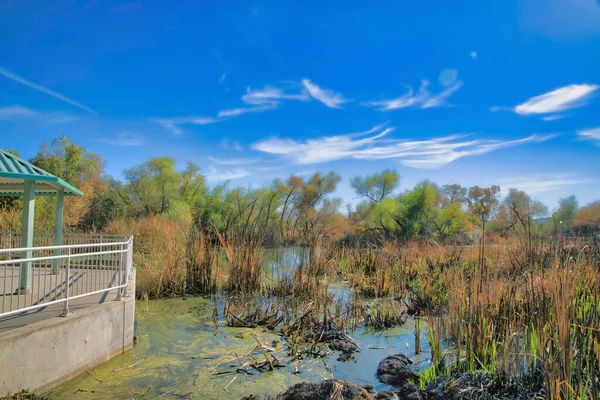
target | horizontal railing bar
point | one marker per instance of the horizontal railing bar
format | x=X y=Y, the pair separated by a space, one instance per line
x=25 y=309
x=61 y=257
x=66 y=246
x=18 y=234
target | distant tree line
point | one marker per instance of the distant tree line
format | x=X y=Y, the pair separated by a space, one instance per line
x=298 y=209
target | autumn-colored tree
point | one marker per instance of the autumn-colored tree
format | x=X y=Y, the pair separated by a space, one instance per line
x=454 y=193
x=78 y=166
x=587 y=219
x=518 y=211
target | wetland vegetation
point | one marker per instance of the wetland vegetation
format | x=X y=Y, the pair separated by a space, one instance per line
x=252 y=290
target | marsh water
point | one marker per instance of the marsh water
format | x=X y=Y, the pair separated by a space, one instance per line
x=181 y=353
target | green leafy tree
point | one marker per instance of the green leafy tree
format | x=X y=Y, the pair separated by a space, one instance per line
x=562 y=218
x=376 y=187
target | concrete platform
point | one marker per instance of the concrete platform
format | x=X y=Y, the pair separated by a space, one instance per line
x=39 y=350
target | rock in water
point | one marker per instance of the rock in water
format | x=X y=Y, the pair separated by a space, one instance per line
x=395 y=370
x=331 y=389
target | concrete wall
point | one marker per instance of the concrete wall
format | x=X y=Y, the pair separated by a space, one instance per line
x=47 y=353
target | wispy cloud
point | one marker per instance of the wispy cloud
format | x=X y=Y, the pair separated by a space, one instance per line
x=173 y=124
x=17 y=112
x=265 y=99
x=234 y=161
x=220 y=176
x=234 y=112
x=558 y=100
x=375 y=144
x=590 y=134
x=543 y=183
x=124 y=139
x=231 y=146
x=422 y=99
x=10 y=75
x=554 y=117
x=328 y=97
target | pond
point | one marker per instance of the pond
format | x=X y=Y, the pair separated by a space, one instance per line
x=181 y=353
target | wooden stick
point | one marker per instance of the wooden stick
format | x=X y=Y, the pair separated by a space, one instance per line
x=225 y=388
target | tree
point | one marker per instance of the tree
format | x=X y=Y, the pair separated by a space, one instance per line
x=417 y=209
x=519 y=210
x=455 y=193
x=154 y=184
x=482 y=202
x=78 y=166
x=450 y=221
x=587 y=219
x=376 y=187
x=314 y=209
x=564 y=215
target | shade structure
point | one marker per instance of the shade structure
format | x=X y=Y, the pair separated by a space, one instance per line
x=21 y=178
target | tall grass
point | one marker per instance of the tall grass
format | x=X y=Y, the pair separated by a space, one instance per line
x=160 y=254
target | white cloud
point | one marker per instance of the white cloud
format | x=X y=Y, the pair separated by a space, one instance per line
x=328 y=97
x=473 y=54
x=172 y=124
x=558 y=100
x=234 y=161
x=422 y=99
x=554 y=117
x=8 y=74
x=234 y=112
x=543 y=183
x=590 y=134
x=265 y=99
x=11 y=113
x=375 y=144
x=220 y=176
x=233 y=146
x=17 y=112
x=124 y=139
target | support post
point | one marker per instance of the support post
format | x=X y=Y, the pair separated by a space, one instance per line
x=25 y=278
x=58 y=225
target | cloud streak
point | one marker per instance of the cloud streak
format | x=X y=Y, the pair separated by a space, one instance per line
x=422 y=99
x=375 y=144
x=173 y=124
x=561 y=99
x=124 y=139
x=328 y=97
x=235 y=161
x=544 y=183
x=590 y=134
x=17 y=112
x=219 y=176
x=12 y=76
x=265 y=99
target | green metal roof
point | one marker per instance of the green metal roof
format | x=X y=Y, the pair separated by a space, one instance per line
x=15 y=171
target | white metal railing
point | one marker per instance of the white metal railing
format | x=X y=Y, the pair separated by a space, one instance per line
x=35 y=277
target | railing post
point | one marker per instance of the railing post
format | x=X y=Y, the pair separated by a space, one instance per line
x=25 y=278
x=67 y=283
x=121 y=291
x=128 y=264
x=58 y=224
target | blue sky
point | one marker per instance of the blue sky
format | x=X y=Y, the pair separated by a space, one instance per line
x=471 y=92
